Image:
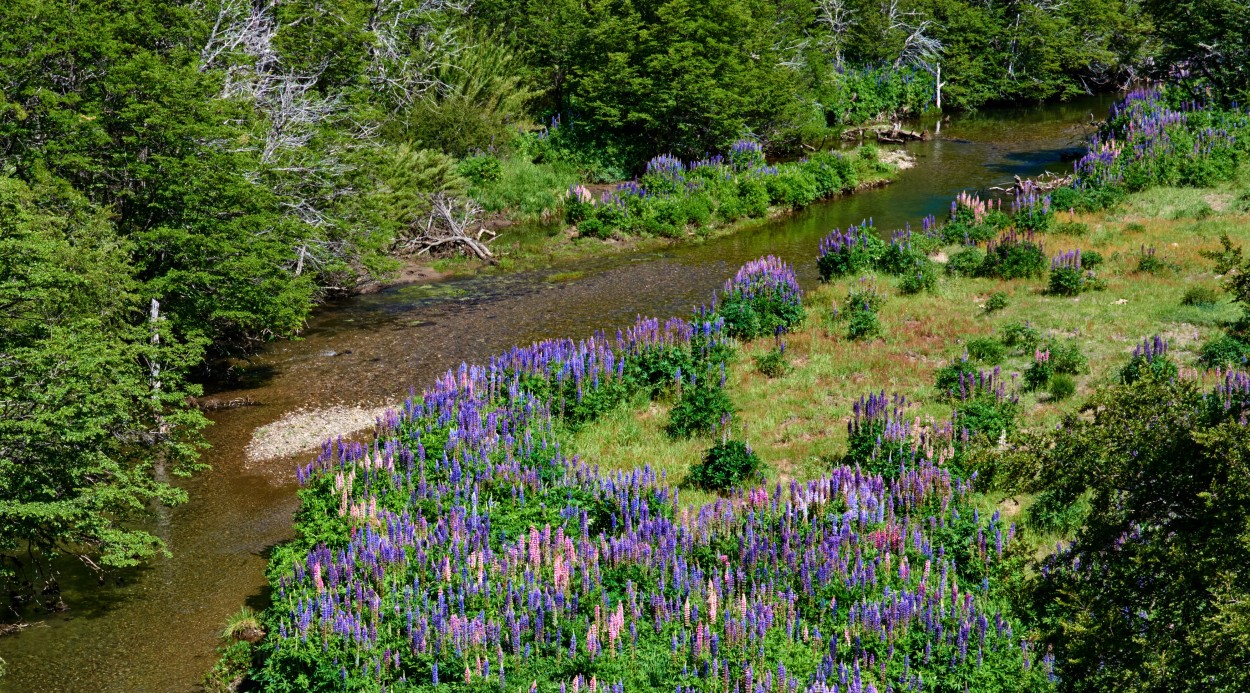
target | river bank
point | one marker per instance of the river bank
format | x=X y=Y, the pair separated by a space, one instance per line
x=156 y=629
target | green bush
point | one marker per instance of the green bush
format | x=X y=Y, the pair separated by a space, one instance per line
x=1091 y=258
x=481 y=169
x=965 y=263
x=774 y=363
x=948 y=378
x=1062 y=386
x=702 y=406
x=921 y=277
x=986 y=349
x=1069 y=228
x=1050 y=513
x=1038 y=375
x=863 y=324
x=1066 y=357
x=996 y=301
x=1066 y=281
x=593 y=228
x=1200 y=296
x=1014 y=256
x=1225 y=351
x=1021 y=336
x=726 y=465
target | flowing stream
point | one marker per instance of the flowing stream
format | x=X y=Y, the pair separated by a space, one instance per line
x=155 y=628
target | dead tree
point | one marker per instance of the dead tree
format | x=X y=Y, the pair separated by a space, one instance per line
x=449 y=227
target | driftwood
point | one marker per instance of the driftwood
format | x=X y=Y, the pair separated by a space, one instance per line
x=1041 y=184
x=890 y=134
x=448 y=227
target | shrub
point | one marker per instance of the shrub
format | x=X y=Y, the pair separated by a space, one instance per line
x=1150 y=361
x=986 y=349
x=879 y=434
x=965 y=263
x=984 y=406
x=702 y=406
x=1149 y=263
x=762 y=298
x=774 y=363
x=1062 y=386
x=481 y=169
x=1013 y=256
x=1031 y=212
x=1091 y=258
x=1069 y=228
x=1021 y=336
x=1051 y=513
x=1200 y=296
x=921 y=277
x=1225 y=351
x=949 y=377
x=1065 y=281
x=848 y=253
x=726 y=465
x=863 y=324
x=996 y=301
x=593 y=228
x=901 y=255
x=1038 y=375
x=1066 y=357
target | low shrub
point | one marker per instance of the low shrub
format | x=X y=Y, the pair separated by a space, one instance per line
x=1065 y=281
x=921 y=277
x=1066 y=357
x=1038 y=375
x=726 y=465
x=1062 y=386
x=996 y=301
x=481 y=169
x=879 y=434
x=1225 y=351
x=1149 y=263
x=1050 y=513
x=856 y=250
x=774 y=363
x=1200 y=296
x=761 y=299
x=1091 y=258
x=701 y=407
x=986 y=350
x=1150 y=361
x=1069 y=228
x=1014 y=256
x=949 y=377
x=965 y=263
x=1021 y=336
x=984 y=407
x=593 y=228
x=863 y=324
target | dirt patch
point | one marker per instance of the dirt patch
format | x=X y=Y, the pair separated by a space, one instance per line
x=411 y=271
x=304 y=431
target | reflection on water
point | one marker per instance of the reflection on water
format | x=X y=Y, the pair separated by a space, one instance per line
x=155 y=629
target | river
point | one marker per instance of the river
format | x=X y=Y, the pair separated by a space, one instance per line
x=155 y=628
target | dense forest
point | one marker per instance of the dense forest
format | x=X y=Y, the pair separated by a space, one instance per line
x=181 y=182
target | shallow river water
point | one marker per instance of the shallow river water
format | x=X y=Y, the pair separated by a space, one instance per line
x=155 y=629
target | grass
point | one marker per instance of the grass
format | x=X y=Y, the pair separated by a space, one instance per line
x=797 y=422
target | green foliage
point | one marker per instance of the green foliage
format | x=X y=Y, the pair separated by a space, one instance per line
x=1200 y=296
x=986 y=350
x=1021 y=336
x=480 y=169
x=1091 y=259
x=1142 y=367
x=1037 y=376
x=773 y=363
x=1049 y=513
x=862 y=302
x=965 y=263
x=86 y=419
x=1145 y=596
x=233 y=665
x=1014 y=256
x=481 y=95
x=922 y=276
x=997 y=301
x=1062 y=386
x=862 y=325
x=1224 y=351
x=948 y=378
x=1066 y=281
x=726 y=465
x=701 y=408
x=1066 y=357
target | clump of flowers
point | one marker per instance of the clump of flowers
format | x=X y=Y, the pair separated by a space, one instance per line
x=855 y=250
x=762 y=298
x=1150 y=360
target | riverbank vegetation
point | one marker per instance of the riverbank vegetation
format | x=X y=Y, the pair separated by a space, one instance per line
x=183 y=181
x=1046 y=493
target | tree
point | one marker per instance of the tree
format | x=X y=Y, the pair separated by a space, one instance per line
x=92 y=403
x=1152 y=594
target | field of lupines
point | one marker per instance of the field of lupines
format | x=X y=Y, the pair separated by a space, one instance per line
x=673 y=194
x=463 y=550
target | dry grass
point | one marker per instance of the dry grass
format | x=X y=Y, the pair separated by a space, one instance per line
x=798 y=422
